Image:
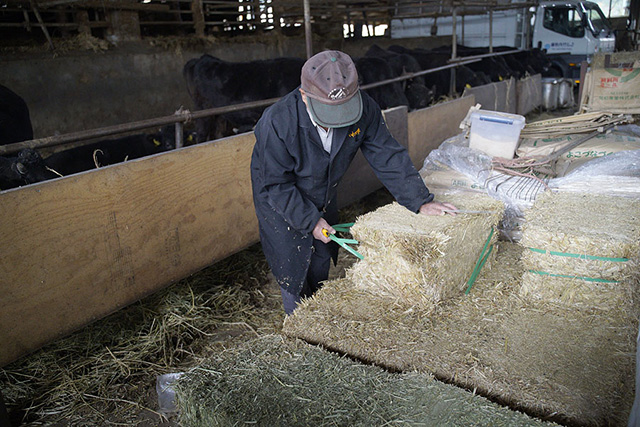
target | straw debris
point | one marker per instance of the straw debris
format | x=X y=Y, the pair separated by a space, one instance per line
x=583 y=250
x=422 y=259
x=273 y=381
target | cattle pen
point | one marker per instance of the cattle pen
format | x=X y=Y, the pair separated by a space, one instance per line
x=137 y=292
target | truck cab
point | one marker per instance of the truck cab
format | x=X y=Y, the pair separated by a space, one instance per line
x=571 y=32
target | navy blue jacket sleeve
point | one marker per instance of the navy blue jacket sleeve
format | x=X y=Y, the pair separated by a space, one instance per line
x=276 y=167
x=392 y=164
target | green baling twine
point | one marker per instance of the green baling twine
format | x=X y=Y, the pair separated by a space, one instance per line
x=580 y=256
x=484 y=255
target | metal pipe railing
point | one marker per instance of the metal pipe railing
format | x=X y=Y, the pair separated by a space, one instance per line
x=486 y=55
x=181 y=116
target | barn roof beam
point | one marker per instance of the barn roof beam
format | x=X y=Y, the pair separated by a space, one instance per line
x=111 y=4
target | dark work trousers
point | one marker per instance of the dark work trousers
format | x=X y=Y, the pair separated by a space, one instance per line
x=318 y=272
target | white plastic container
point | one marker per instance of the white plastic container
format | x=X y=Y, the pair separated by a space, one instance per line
x=495 y=133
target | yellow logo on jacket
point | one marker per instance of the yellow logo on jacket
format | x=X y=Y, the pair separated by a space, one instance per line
x=354 y=133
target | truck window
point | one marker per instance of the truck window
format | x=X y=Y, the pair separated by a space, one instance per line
x=598 y=22
x=563 y=20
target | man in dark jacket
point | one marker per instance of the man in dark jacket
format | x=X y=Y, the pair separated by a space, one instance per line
x=304 y=145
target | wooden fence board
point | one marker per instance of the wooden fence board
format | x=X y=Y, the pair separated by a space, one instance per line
x=360 y=180
x=529 y=91
x=78 y=248
x=429 y=127
x=499 y=96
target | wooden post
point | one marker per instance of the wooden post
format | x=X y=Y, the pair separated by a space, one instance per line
x=490 y=31
x=454 y=45
x=27 y=22
x=198 y=17
x=82 y=19
x=307 y=29
x=39 y=18
x=124 y=25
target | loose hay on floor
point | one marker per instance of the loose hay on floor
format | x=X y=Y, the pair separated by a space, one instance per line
x=582 y=250
x=274 y=381
x=99 y=375
x=423 y=259
x=568 y=365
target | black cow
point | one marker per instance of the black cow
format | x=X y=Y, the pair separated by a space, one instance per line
x=441 y=80
x=400 y=63
x=372 y=70
x=111 y=151
x=532 y=61
x=15 y=123
x=25 y=168
x=417 y=94
x=495 y=67
x=517 y=64
x=212 y=82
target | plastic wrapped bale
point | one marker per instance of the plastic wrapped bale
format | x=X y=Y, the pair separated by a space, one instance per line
x=423 y=259
x=582 y=250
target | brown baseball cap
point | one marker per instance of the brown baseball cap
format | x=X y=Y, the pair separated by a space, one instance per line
x=330 y=81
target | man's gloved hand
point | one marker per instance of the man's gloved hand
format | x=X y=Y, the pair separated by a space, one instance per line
x=317 y=230
x=437 y=208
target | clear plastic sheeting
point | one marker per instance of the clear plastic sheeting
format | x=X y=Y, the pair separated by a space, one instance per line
x=517 y=193
x=166 y=392
x=456 y=154
x=616 y=174
x=633 y=130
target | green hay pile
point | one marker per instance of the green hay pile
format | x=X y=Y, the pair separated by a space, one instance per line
x=583 y=250
x=422 y=259
x=273 y=381
x=568 y=365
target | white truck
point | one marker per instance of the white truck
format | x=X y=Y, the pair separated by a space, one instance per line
x=570 y=31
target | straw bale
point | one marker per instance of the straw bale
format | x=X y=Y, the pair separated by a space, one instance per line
x=422 y=259
x=583 y=250
x=545 y=360
x=598 y=225
x=577 y=292
x=600 y=269
x=273 y=381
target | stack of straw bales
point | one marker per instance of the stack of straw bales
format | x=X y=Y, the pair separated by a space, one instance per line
x=548 y=361
x=582 y=250
x=422 y=259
